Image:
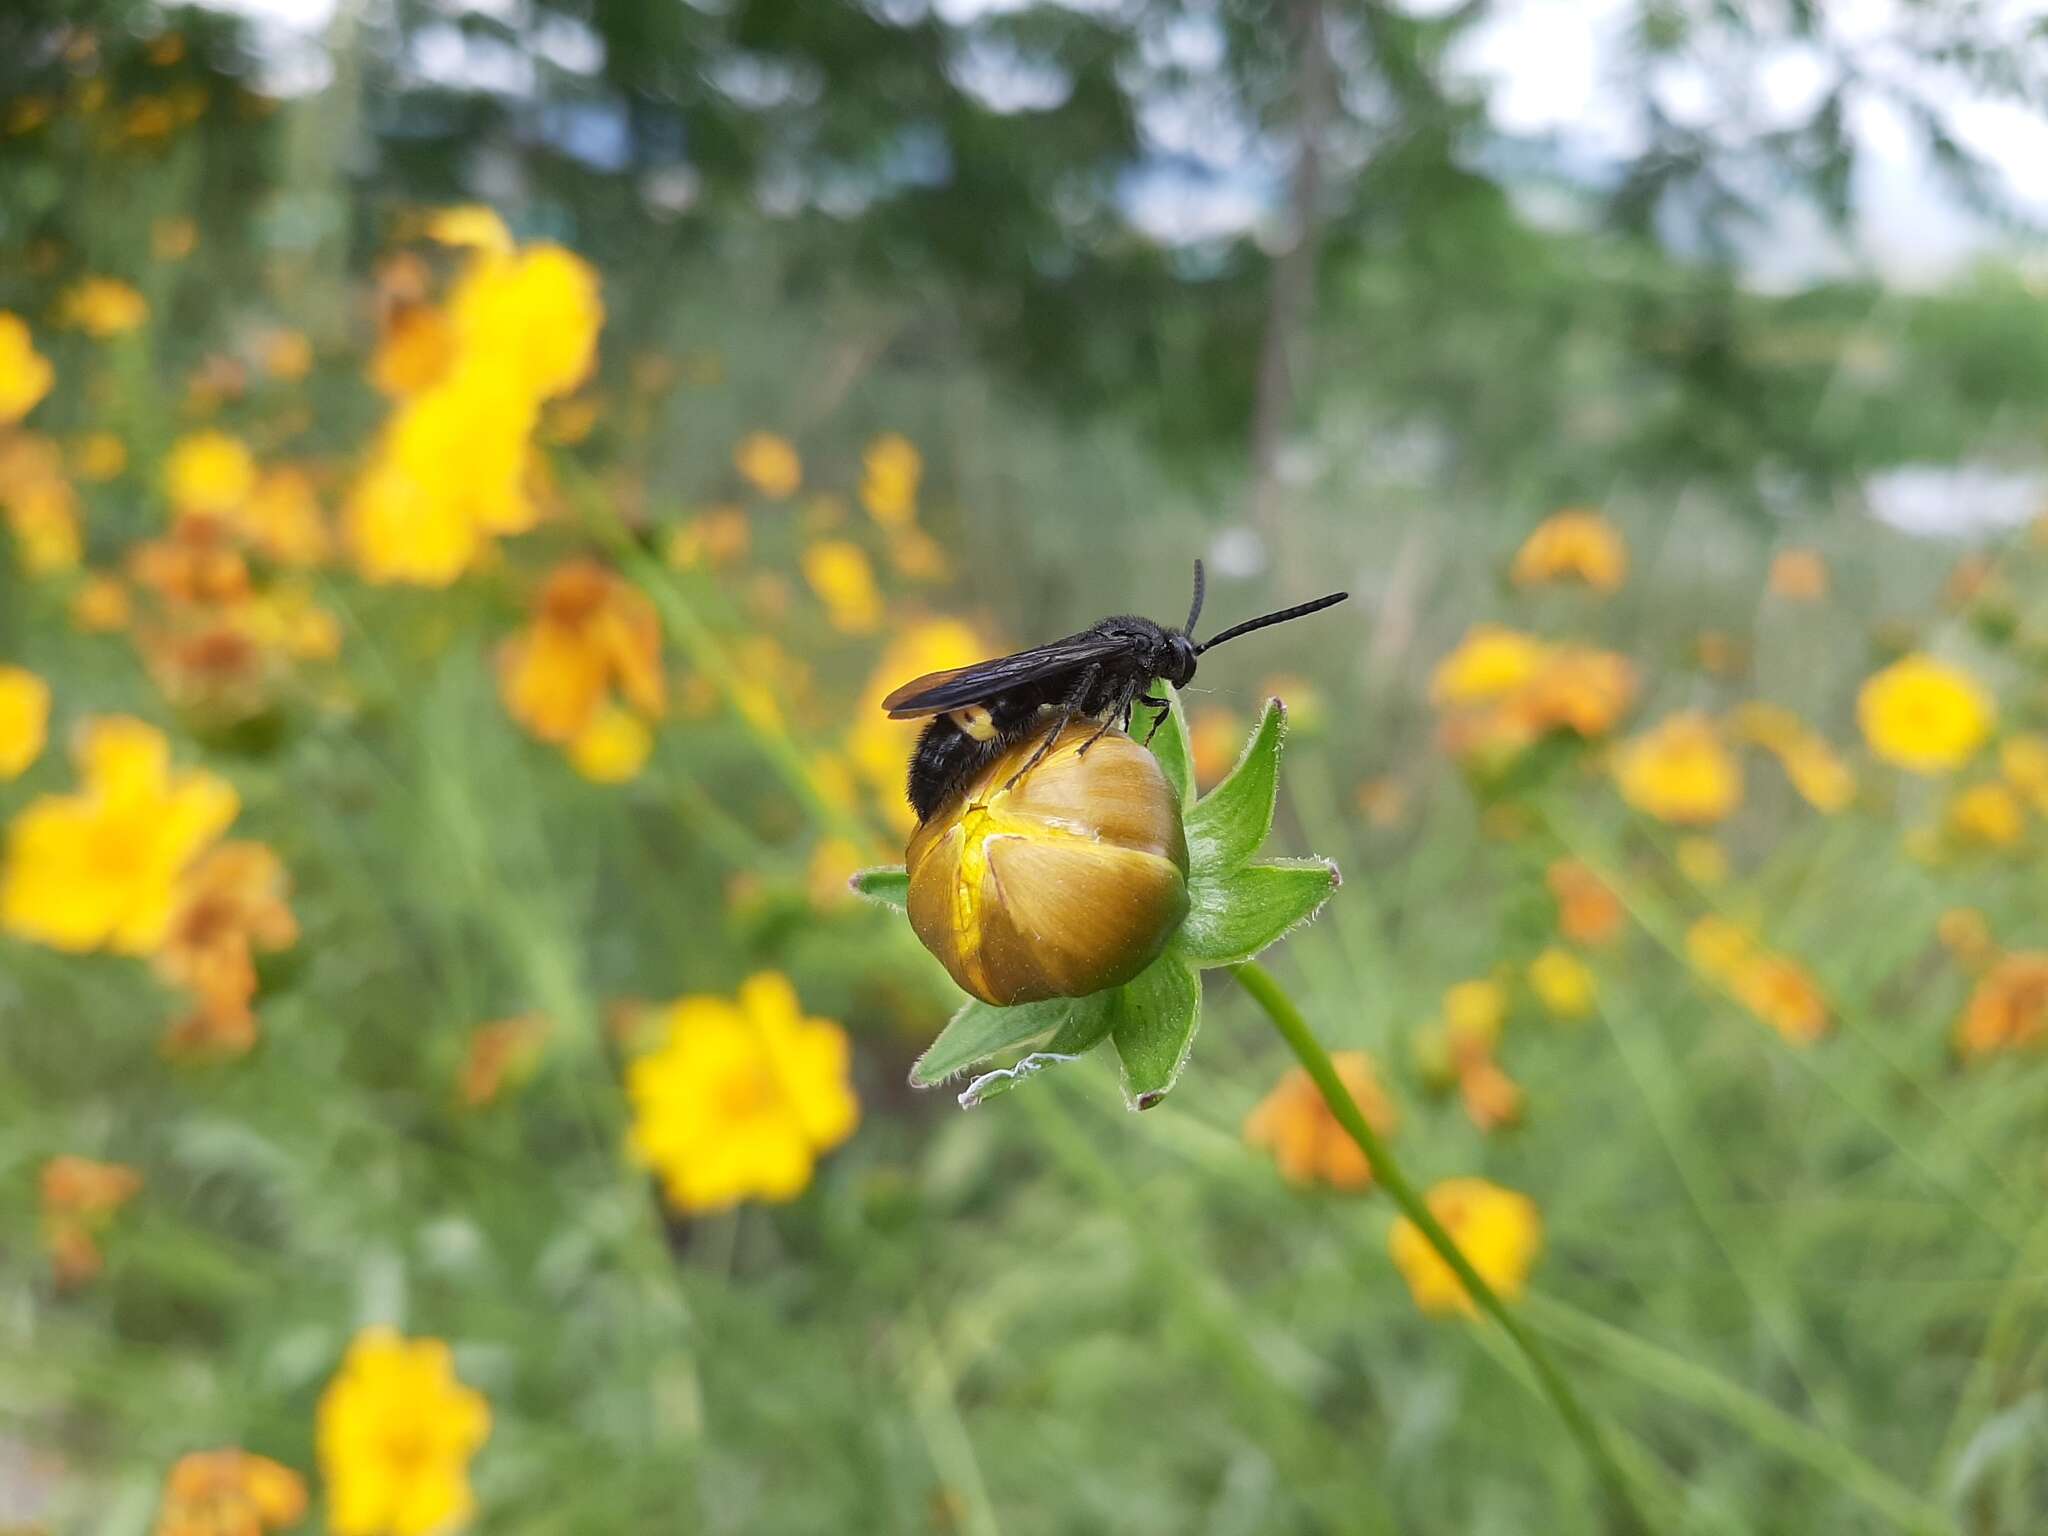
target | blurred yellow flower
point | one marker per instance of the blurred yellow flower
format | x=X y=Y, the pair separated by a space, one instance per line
x=892 y=468
x=281 y=519
x=1680 y=771
x=1717 y=947
x=98 y=457
x=917 y=555
x=770 y=464
x=612 y=747
x=879 y=747
x=101 y=867
x=1563 y=983
x=533 y=316
x=471 y=225
x=1821 y=778
x=25 y=374
x=1308 y=1145
x=79 y=1197
x=1799 y=575
x=1587 y=911
x=1577 y=688
x=230 y=1493
x=1215 y=737
x=41 y=506
x=717 y=537
x=415 y=345
x=2008 y=1009
x=1966 y=934
x=103 y=307
x=1473 y=1011
x=1499 y=1232
x=1702 y=860
x=593 y=633
x=24 y=719
x=231 y=906
x=1774 y=987
x=740 y=1097
x=209 y=474
x=1575 y=544
x=2023 y=760
x=395 y=1431
x=1489 y=662
x=1924 y=715
x=1986 y=816
x=839 y=573
x=100 y=606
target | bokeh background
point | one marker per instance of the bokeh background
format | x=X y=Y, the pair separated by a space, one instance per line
x=469 y=472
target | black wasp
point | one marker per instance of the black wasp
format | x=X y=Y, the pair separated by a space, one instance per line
x=978 y=712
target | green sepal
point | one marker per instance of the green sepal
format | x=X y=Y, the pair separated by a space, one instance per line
x=888 y=886
x=1228 y=824
x=1232 y=919
x=1153 y=1024
x=981 y=1030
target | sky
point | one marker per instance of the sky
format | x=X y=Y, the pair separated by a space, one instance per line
x=1549 y=69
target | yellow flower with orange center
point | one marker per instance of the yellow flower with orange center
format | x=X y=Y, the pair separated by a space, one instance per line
x=100 y=868
x=1308 y=1145
x=25 y=374
x=2008 y=1009
x=396 y=1431
x=892 y=468
x=1798 y=575
x=230 y=1493
x=586 y=673
x=1924 y=715
x=839 y=573
x=24 y=719
x=1499 y=1232
x=103 y=307
x=740 y=1097
x=79 y=1197
x=1577 y=544
x=769 y=463
x=209 y=474
x=1680 y=771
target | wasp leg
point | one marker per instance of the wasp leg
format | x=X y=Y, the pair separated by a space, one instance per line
x=1069 y=707
x=1120 y=709
x=1163 y=706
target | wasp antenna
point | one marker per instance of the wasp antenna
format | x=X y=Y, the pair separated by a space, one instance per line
x=1298 y=611
x=1195 y=612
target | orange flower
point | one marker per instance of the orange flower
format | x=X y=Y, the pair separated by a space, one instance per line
x=2008 y=1009
x=1777 y=989
x=594 y=639
x=1587 y=911
x=1307 y=1143
x=232 y=905
x=1799 y=575
x=1215 y=736
x=79 y=1199
x=770 y=464
x=1501 y=690
x=1575 y=544
x=501 y=1055
x=230 y=1493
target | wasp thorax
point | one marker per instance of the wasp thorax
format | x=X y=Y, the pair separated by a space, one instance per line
x=1069 y=881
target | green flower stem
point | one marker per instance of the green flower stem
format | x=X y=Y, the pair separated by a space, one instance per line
x=1308 y=1050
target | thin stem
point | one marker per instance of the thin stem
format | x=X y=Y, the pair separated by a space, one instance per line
x=1387 y=1173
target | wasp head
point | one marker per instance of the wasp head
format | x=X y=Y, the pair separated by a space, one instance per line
x=1176 y=660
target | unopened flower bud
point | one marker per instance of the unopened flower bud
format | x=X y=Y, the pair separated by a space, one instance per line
x=1065 y=883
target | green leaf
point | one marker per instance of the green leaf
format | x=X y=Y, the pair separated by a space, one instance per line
x=1228 y=824
x=1170 y=743
x=980 y=1030
x=1153 y=1025
x=888 y=885
x=1234 y=917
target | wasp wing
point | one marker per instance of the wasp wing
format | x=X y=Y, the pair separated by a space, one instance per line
x=937 y=692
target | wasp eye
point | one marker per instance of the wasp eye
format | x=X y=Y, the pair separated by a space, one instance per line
x=1066 y=882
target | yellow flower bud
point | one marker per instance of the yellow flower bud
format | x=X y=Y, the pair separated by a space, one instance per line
x=1068 y=882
